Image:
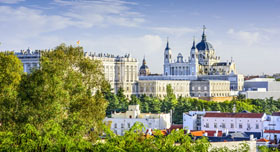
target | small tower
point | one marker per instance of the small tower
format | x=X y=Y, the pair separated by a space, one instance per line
x=193 y=60
x=144 y=69
x=167 y=59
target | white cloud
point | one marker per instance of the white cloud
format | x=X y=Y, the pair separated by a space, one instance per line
x=101 y=13
x=11 y=1
x=26 y=22
x=248 y=37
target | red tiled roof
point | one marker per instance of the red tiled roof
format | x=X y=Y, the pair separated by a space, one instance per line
x=176 y=126
x=235 y=115
x=262 y=140
x=276 y=114
x=272 y=131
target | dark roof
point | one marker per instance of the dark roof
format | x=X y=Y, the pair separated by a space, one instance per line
x=203 y=45
x=238 y=135
x=276 y=114
x=235 y=115
x=143 y=67
x=221 y=64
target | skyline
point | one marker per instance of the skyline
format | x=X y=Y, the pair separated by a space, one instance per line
x=246 y=31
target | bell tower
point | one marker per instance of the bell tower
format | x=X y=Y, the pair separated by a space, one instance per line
x=193 y=60
x=167 y=59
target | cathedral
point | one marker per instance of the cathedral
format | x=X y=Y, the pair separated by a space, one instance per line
x=202 y=61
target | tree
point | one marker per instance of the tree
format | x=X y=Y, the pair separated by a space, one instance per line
x=67 y=89
x=123 y=102
x=11 y=70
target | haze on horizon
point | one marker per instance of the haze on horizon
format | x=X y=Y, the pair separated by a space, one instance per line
x=248 y=31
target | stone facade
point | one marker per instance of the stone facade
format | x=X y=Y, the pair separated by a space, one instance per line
x=157 y=88
x=210 y=88
x=120 y=71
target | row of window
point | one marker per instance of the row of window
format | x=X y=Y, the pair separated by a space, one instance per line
x=223 y=125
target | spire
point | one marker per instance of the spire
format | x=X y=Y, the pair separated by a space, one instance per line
x=193 y=47
x=167 y=45
x=144 y=61
x=203 y=34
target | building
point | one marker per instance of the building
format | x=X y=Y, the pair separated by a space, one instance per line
x=202 y=61
x=29 y=59
x=272 y=127
x=120 y=71
x=144 y=69
x=249 y=123
x=202 y=68
x=192 y=119
x=261 y=88
x=210 y=88
x=157 y=88
x=124 y=121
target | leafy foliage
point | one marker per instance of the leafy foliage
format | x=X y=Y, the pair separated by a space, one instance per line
x=56 y=104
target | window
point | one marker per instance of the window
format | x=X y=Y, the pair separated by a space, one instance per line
x=215 y=125
x=122 y=125
x=207 y=125
x=223 y=125
x=231 y=125
x=257 y=126
x=198 y=88
x=248 y=126
x=192 y=88
x=240 y=126
x=116 y=125
x=205 y=88
x=128 y=125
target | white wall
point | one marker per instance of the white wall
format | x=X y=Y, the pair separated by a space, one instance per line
x=235 y=121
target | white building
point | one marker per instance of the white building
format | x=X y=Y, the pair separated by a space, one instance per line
x=192 y=119
x=249 y=123
x=120 y=122
x=202 y=65
x=261 y=88
x=272 y=127
x=120 y=71
x=202 y=61
x=157 y=88
x=29 y=59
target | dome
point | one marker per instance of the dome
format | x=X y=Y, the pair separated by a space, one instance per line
x=144 y=67
x=203 y=45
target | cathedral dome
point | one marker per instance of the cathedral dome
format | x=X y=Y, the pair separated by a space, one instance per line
x=204 y=45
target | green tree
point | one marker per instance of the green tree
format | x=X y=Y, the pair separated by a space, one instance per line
x=66 y=89
x=123 y=102
x=11 y=70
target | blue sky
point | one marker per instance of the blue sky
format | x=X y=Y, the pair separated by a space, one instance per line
x=248 y=31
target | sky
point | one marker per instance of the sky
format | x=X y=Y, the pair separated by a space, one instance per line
x=245 y=30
